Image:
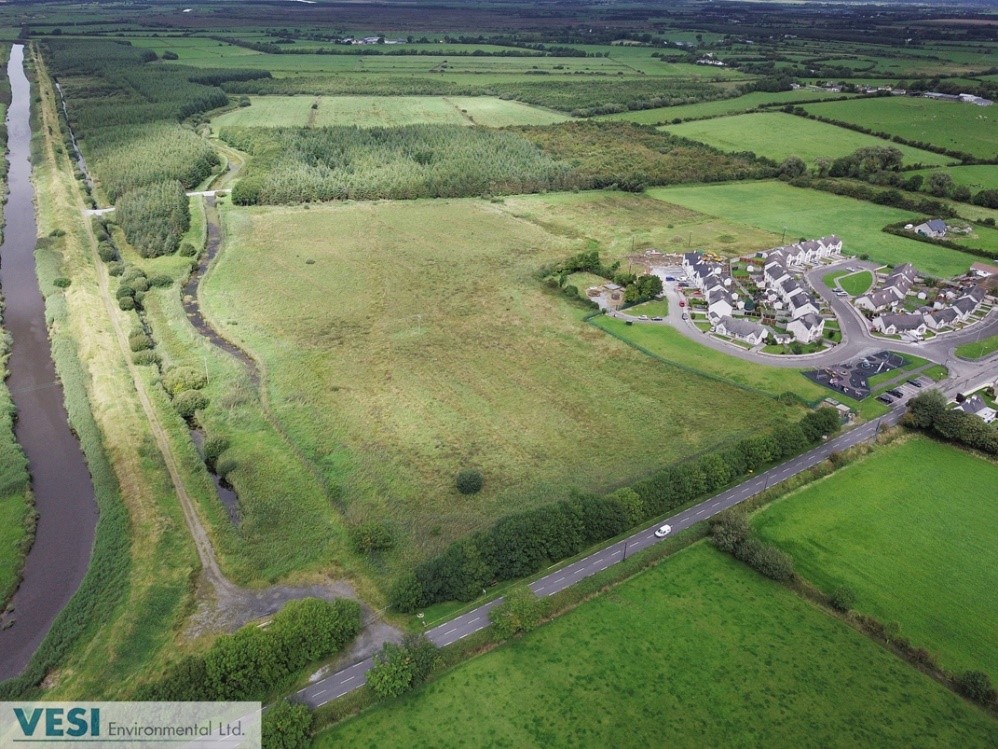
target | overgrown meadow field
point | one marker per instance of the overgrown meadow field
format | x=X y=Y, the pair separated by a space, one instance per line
x=776 y=206
x=405 y=341
x=698 y=651
x=910 y=530
x=777 y=135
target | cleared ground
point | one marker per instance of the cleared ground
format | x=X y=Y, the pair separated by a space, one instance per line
x=777 y=135
x=406 y=341
x=384 y=111
x=911 y=530
x=700 y=651
x=776 y=206
x=956 y=126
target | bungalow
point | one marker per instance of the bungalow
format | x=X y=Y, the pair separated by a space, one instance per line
x=800 y=305
x=934 y=229
x=876 y=301
x=807 y=328
x=978 y=100
x=904 y=323
x=940 y=318
x=975 y=406
x=743 y=330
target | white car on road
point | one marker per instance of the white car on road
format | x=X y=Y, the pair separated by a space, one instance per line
x=664 y=531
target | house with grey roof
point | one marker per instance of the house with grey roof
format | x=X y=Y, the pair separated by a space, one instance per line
x=903 y=323
x=807 y=328
x=741 y=329
x=802 y=304
x=934 y=229
x=940 y=318
x=877 y=301
x=976 y=406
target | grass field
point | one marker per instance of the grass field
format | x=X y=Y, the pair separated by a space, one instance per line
x=699 y=651
x=744 y=103
x=910 y=530
x=385 y=111
x=956 y=126
x=405 y=341
x=976 y=177
x=978 y=349
x=674 y=347
x=810 y=213
x=624 y=222
x=777 y=135
x=855 y=284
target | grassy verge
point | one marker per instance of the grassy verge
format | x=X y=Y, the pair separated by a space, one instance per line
x=893 y=543
x=855 y=284
x=978 y=349
x=762 y=657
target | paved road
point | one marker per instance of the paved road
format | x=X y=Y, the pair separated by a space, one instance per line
x=348 y=679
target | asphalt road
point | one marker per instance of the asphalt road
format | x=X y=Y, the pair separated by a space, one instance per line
x=344 y=681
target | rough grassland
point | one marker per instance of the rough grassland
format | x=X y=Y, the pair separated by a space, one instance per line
x=384 y=111
x=418 y=342
x=777 y=135
x=699 y=651
x=911 y=530
x=810 y=213
x=622 y=222
x=960 y=127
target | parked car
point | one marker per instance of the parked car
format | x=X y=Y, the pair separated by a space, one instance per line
x=670 y=278
x=916 y=383
x=896 y=393
x=685 y=316
x=682 y=302
x=643 y=317
x=885 y=399
x=657 y=319
x=664 y=531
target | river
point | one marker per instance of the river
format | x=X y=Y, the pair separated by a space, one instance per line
x=60 y=481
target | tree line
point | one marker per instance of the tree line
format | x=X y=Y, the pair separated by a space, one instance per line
x=523 y=543
x=928 y=412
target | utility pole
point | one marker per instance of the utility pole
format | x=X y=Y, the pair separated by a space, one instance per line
x=625 y=551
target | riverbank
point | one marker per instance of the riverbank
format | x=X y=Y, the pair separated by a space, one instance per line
x=60 y=480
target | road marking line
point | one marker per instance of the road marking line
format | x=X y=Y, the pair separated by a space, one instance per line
x=464 y=635
x=350 y=679
x=474 y=620
x=452 y=629
x=559 y=579
x=618 y=551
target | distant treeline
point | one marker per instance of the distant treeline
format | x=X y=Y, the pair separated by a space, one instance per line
x=523 y=543
x=292 y=165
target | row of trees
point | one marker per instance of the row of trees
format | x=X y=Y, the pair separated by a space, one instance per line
x=929 y=413
x=522 y=543
x=252 y=662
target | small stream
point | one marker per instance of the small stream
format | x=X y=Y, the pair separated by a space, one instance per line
x=60 y=481
x=77 y=153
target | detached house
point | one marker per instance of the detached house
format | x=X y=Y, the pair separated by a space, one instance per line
x=877 y=301
x=934 y=229
x=807 y=328
x=741 y=329
x=975 y=406
x=801 y=304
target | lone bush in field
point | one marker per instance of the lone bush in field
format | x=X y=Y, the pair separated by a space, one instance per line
x=179 y=379
x=190 y=401
x=469 y=481
x=842 y=598
x=371 y=536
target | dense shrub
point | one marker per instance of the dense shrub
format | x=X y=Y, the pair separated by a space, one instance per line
x=146 y=358
x=61 y=282
x=107 y=251
x=178 y=379
x=139 y=342
x=213 y=448
x=519 y=612
x=928 y=411
x=766 y=559
x=252 y=662
x=154 y=217
x=842 y=598
x=976 y=686
x=188 y=402
x=729 y=529
x=371 y=536
x=469 y=481
x=188 y=250
x=287 y=725
x=399 y=668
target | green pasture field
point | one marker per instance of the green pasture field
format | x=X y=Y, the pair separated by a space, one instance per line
x=697 y=651
x=404 y=341
x=621 y=223
x=384 y=111
x=777 y=135
x=664 y=115
x=809 y=213
x=978 y=349
x=955 y=126
x=855 y=284
x=979 y=237
x=670 y=345
x=910 y=529
x=975 y=177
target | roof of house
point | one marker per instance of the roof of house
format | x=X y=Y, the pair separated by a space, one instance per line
x=977 y=293
x=801 y=300
x=831 y=239
x=879 y=298
x=944 y=316
x=965 y=304
x=718 y=294
x=973 y=405
x=936 y=224
x=692 y=258
x=903 y=321
x=811 y=245
x=810 y=321
x=741 y=327
x=985 y=269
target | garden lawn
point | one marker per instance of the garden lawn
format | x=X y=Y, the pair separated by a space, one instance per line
x=665 y=343
x=978 y=349
x=855 y=284
x=384 y=111
x=777 y=135
x=910 y=529
x=699 y=651
x=404 y=341
x=955 y=126
x=776 y=206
